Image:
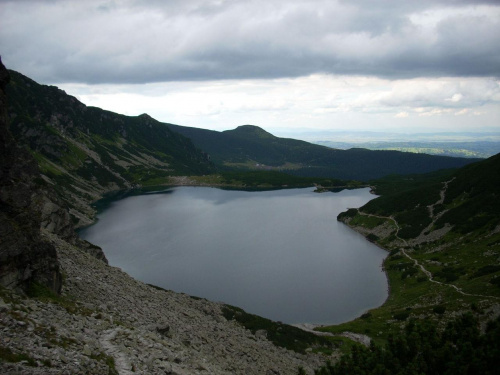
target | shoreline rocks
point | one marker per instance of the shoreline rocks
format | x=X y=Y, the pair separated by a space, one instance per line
x=106 y=319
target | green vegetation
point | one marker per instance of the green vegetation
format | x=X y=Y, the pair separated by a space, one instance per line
x=46 y=166
x=424 y=349
x=457 y=241
x=365 y=221
x=56 y=125
x=44 y=294
x=108 y=360
x=7 y=355
x=486 y=270
x=279 y=179
x=251 y=148
x=85 y=151
x=280 y=334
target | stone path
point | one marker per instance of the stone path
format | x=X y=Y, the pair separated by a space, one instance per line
x=122 y=364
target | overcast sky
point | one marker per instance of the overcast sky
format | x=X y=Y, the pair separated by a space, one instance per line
x=380 y=65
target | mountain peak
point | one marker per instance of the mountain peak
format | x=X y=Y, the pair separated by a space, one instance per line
x=251 y=130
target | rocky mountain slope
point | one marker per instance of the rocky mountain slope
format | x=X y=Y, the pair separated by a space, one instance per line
x=84 y=152
x=24 y=207
x=64 y=311
x=250 y=147
x=105 y=322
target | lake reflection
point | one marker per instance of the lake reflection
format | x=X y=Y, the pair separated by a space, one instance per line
x=279 y=254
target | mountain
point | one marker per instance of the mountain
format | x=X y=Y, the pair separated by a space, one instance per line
x=63 y=310
x=443 y=234
x=84 y=152
x=25 y=257
x=250 y=147
x=463 y=202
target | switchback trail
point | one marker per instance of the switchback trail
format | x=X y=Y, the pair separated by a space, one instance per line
x=422 y=268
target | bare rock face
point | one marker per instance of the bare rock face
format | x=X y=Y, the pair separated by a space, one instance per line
x=24 y=257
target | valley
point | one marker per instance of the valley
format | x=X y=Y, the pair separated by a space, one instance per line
x=65 y=310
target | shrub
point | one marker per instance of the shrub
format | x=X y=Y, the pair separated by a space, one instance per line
x=403 y=315
x=439 y=309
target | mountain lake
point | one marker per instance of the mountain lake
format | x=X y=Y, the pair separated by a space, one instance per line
x=280 y=254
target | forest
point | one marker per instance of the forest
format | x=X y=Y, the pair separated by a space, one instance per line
x=423 y=349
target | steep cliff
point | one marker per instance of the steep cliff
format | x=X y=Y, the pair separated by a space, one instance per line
x=25 y=257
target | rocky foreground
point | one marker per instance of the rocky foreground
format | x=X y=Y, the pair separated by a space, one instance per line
x=105 y=322
x=63 y=310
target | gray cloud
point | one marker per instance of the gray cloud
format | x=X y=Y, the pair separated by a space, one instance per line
x=128 y=41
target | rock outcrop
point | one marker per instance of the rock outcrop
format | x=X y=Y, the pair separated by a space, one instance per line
x=25 y=258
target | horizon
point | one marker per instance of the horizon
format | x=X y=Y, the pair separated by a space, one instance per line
x=348 y=138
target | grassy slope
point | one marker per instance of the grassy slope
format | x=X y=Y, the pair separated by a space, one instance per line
x=467 y=256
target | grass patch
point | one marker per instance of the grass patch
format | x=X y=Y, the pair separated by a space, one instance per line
x=46 y=166
x=44 y=294
x=74 y=157
x=365 y=221
x=280 y=334
x=108 y=360
x=7 y=355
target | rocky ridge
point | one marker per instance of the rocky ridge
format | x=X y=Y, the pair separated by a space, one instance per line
x=85 y=152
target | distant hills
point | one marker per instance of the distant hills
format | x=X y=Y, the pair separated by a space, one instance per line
x=468 y=149
x=250 y=147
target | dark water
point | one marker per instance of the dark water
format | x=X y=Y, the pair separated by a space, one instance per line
x=279 y=254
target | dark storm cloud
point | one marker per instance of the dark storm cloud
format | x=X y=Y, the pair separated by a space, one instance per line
x=132 y=41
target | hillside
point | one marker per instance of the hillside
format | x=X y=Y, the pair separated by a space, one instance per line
x=65 y=311
x=250 y=147
x=24 y=255
x=84 y=152
x=443 y=234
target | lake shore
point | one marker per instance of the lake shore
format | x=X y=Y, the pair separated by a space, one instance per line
x=221 y=229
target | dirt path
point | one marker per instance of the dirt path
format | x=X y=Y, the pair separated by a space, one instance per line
x=122 y=364
x=422 y=268
x=358 y=337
